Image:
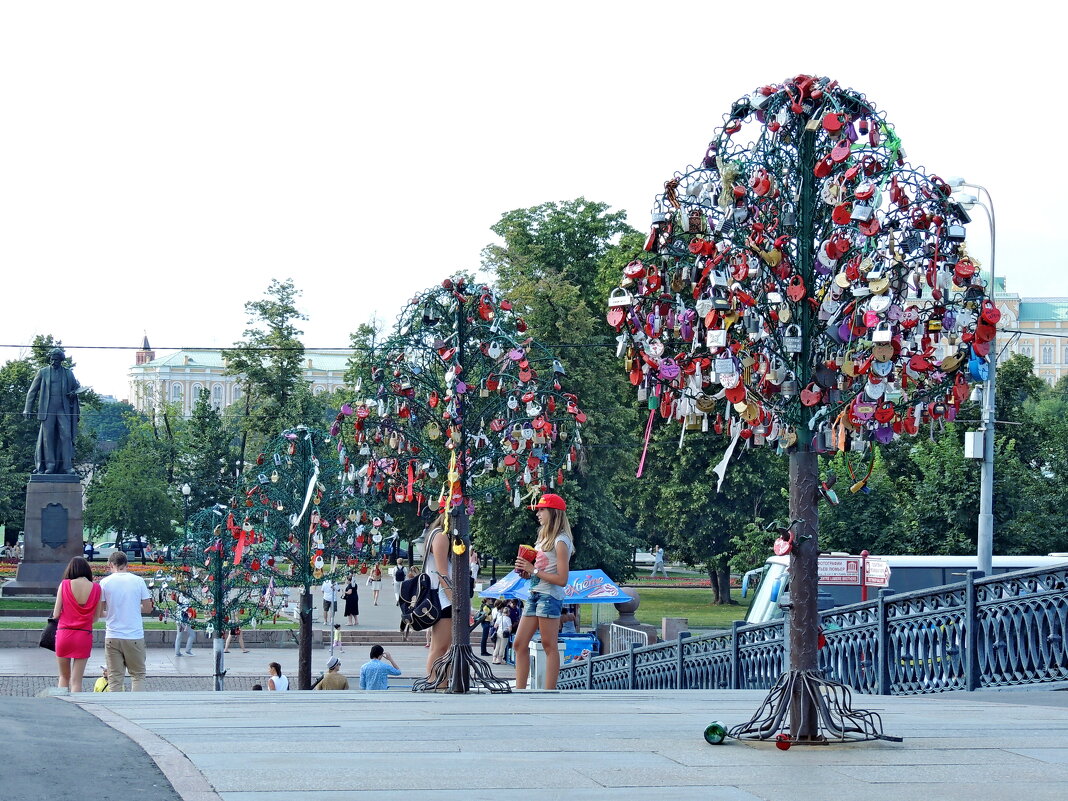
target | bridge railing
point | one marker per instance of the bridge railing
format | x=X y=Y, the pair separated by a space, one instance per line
x=999 y=631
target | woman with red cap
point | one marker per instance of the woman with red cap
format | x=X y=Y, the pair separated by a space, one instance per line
x=548 y=577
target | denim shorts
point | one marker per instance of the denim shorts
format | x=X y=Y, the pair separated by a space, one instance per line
x=541 y=604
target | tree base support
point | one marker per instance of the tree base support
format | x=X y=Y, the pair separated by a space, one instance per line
x=782 y=716
x=468 y=668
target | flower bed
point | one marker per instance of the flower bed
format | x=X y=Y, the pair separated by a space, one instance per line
x=100 y=569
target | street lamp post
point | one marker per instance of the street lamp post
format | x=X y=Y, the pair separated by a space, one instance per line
x=985 y=539
x=186 y=492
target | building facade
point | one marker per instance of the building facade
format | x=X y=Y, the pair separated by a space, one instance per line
x=180 y=376
x=1036 y=328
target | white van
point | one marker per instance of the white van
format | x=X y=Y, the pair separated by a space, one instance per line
x=907 y=573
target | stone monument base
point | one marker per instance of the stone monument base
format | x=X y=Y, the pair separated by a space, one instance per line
x=53 y=533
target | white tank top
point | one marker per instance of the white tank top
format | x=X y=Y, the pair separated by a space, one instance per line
x=281 y=683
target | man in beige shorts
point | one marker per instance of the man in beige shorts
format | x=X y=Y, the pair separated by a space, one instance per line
x=126 y=599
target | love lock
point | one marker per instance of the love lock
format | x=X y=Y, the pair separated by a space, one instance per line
x=792 y=340
x=811 y=395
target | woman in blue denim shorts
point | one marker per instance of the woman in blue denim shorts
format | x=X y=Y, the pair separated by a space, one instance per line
x=548 y=577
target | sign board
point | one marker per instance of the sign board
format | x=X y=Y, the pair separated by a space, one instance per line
x=846 y=571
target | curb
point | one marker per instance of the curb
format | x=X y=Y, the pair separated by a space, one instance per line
x=183 y=776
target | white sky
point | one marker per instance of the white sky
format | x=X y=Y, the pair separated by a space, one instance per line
x=161 y=162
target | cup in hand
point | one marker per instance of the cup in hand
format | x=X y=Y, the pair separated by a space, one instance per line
x=528 y=553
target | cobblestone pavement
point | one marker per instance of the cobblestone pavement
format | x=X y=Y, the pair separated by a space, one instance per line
x=31 y=685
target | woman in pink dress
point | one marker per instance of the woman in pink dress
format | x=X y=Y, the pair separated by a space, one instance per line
x=77 y=608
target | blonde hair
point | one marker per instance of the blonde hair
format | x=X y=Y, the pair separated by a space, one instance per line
x=556 y=524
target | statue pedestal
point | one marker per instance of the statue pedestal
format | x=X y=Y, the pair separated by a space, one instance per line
x=53 y=533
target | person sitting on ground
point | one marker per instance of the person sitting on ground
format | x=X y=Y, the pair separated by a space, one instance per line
x=374 y=675
x=275 y=679
x=332 y=680
x=257 y=686
x=101 y=685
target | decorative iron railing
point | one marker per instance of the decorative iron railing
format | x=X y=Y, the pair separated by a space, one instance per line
x=1004 y=630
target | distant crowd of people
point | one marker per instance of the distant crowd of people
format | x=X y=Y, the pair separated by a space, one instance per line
x=122 y=598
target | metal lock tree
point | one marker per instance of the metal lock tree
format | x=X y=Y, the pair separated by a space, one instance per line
x=297 y=519
x=466 y=410
x=213 y=590
x=805 y=288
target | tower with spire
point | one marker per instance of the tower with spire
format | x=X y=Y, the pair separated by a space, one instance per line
x=146 y=354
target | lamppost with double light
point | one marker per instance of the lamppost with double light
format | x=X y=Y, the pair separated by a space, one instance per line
x=985 y=539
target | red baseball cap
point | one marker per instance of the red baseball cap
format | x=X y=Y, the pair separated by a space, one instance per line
x=551 y=501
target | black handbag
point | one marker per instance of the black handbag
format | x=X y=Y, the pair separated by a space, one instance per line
x=48 y=636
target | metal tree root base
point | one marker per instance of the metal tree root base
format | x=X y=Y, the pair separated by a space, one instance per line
x=801 y=690
x=470 y=669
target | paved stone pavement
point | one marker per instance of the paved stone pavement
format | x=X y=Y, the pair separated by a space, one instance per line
x=26 y=671
x=580 y=745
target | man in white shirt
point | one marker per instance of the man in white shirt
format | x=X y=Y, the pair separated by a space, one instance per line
x=329 y=600
x=126 y=599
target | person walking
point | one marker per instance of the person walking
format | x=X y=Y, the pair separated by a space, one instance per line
x=374 y=675
x=275 y=679
x=352 y=601
x=374 y=578
x=126 y=599
x=399 y=575
x=329 y=600
x=502 y=625
x=185 y=630
x=485 y=617
x=658 y=562
x=235 y=632
x=77 y=607
x=332 y=679
x=548 y=576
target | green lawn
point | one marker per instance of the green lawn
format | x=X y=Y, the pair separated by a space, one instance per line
x=14 y=603
x=693 y=604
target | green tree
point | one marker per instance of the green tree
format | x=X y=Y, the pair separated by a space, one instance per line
x=678 y=507
x=130 y=494
x=205 y=455
x=554 y=261
x=268 y=363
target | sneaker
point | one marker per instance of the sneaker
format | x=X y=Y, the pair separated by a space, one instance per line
x=177 y=653
x=188 y=653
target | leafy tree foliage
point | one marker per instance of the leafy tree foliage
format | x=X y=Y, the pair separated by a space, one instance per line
x=130 y=494
x=204 y=445
x=269 y=364
x=551 y=261
x=677 y=505
x=106 y=424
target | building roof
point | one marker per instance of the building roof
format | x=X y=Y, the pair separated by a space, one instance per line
x=1036 y=309
x=331 y=360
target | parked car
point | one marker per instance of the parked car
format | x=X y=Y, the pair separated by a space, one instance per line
x=132 y=549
